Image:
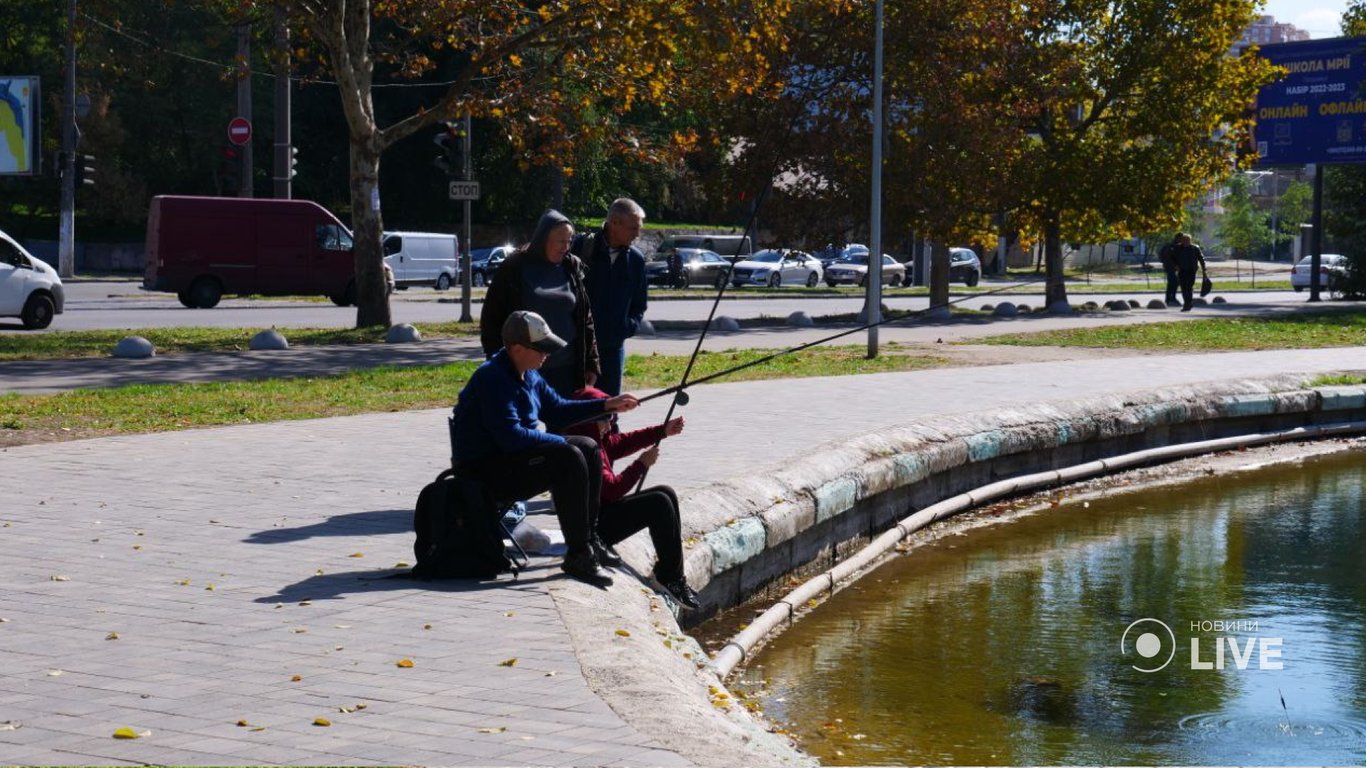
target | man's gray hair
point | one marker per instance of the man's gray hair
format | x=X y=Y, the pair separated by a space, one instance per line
x=625 y=206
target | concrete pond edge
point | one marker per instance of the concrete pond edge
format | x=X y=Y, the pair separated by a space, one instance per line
x=816 y=517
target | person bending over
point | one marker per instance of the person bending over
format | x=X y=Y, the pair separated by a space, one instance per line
x=500 y=439
x=623 y=513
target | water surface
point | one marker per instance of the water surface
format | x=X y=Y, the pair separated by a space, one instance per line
x=1003 y=646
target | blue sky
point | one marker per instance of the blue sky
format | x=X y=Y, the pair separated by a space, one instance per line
x=1320 y=18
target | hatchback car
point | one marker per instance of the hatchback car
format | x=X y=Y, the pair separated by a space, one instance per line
x=484 y=262
x=774 y=268
x=698 y=267
x=29 y=289
x=853 y=270
x=1332 y=270
x=964 y=266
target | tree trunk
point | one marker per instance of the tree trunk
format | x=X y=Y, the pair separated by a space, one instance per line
x=939 y=274
x=1052 y=236
x=367 y=227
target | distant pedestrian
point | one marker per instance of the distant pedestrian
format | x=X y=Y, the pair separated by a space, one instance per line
x=1188 y=258
x=1169 y=267
x=545 y=278
x=616 y=286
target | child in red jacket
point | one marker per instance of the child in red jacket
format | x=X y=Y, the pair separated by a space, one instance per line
x=623 y=513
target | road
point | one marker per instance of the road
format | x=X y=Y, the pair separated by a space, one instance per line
x=119 y=305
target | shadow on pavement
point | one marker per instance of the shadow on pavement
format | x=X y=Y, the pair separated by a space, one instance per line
x=373 y=523
x=336 y=586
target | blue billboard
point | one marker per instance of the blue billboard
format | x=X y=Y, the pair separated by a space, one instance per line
x=1317 y=112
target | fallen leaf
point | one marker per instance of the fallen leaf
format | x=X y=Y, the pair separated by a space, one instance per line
x=137 y=546
x=499 y=729
x=184 y=582
x=243 y=724
x=426 y=626
x=551 y=673
x=509 y=614
x=623 y=633
x=356 y=554
x=296 y=678
x=61 y=578
x=345 y=710
x=322 y=722
x=341 y=626
x=128 y=733
x=299 y=630
x=362 y=705
x=55 y=673
x=258 y=728
x=305 y=602
x=405 y=663
x=318 y=572
x=402 y=564
x=11 y=725
x=112 y=636
x=209 y=587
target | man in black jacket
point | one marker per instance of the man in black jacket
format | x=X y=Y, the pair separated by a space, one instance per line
x=1188 y=258
x=615 y=277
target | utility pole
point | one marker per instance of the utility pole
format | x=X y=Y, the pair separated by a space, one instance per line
x=66 y=225
x=1317 y=253
x=284 y=140
x=873 y=303
x=244 y=103
x=466 y=316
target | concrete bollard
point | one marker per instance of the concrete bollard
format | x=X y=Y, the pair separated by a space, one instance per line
x=800 y=320
x=646 y=328
x=725 y=323
x=134 y=348
x=1005 y=309
x=403 y=333
x=268 y=340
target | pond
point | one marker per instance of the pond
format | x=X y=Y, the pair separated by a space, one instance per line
x=1219 y=622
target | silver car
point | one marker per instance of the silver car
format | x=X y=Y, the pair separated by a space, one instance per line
x=774 y=268
x=853 y=270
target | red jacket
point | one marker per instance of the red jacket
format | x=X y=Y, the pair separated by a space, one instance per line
x=618 y=445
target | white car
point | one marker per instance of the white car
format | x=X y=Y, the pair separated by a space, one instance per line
x=29 y=289
x=774 y=268
x=853 y=269
x=1332 y=269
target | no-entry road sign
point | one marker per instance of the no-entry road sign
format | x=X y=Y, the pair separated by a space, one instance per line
x=239 y=130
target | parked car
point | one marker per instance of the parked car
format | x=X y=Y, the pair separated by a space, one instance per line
x=201 y=248
x=777 y=267
x=484 y=262
x=832 y=253
x=964 y=266
x=1332 y=270
x=29 y=289
x=422 y=258
x=853 y=270
x=700 y=267
x=731 y=247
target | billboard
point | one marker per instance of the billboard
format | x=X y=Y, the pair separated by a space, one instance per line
x=18 y=126
x=1317 y=112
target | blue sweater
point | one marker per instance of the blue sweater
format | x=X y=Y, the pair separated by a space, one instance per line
x=498 y=411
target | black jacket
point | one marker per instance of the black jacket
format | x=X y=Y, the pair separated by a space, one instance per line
x=505 y=297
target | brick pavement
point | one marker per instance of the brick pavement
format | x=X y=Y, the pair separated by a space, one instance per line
x=178 y=582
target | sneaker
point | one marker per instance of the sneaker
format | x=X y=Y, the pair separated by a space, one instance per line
x=605 y=554
x=584 y=567
x=684 y=594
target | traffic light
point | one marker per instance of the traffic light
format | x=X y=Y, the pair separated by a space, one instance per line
x=85 y=170
x=293 y=162
x=451 y=139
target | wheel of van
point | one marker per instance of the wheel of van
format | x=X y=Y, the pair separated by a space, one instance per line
x=443 y=282
x=38 y=312
x=185 y=299
x=775 y=280
x=972 y=279
x=205 y=292
x=811 y=280
x=347 y=297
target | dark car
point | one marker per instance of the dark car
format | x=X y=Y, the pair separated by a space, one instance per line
x=696 y=267
x=484 y=262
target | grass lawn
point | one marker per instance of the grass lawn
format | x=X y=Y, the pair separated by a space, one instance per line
x=1299 y=331
x=164 y=407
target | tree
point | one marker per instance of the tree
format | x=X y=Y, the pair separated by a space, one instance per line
x=1243 y=227
x=534 y=68
x=1141 y=109
x=1293 y=208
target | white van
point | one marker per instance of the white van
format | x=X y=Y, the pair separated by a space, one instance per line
x=29 y=289
x=423 y=258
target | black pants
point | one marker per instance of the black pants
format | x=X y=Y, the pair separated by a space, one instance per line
x=572 y=472
x=654 y=508
x=1187 y=279
x=1171 y=283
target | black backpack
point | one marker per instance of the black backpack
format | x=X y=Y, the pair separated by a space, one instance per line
x=458 y=535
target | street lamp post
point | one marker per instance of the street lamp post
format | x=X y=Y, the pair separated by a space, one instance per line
x=873 y=300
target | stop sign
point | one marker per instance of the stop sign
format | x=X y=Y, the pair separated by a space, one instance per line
x=239 y=130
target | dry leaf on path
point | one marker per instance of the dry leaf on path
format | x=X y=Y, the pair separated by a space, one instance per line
x=512 y=662
x=499 y=729
x=404 y=663
x=322 y=722
x=128 y=733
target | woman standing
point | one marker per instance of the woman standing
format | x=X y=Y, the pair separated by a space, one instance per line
x=545 y=278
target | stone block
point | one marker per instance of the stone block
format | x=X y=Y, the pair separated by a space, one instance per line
x=1341 y=398
x=835 y=498
x=788 y=519
x=735 y=543
x=1248 y=405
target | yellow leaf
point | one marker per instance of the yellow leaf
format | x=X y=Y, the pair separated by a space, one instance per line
x=243 y=724
x=322 y=722
x=356 y=554
x=405 y=663
x=345 y=710
x=61 y=578
x=128 y=733
x=362 y=705
x=209 y=588
x=499 y=729
x=623 y=633
x=512 y=662
x=112 y=636
x=296 y=678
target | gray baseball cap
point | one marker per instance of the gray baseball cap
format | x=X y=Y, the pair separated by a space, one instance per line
x=531 y=330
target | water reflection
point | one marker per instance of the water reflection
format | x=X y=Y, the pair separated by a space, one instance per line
x=1002 y=647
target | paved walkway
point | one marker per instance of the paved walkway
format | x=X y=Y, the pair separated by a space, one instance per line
x=222 y=588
